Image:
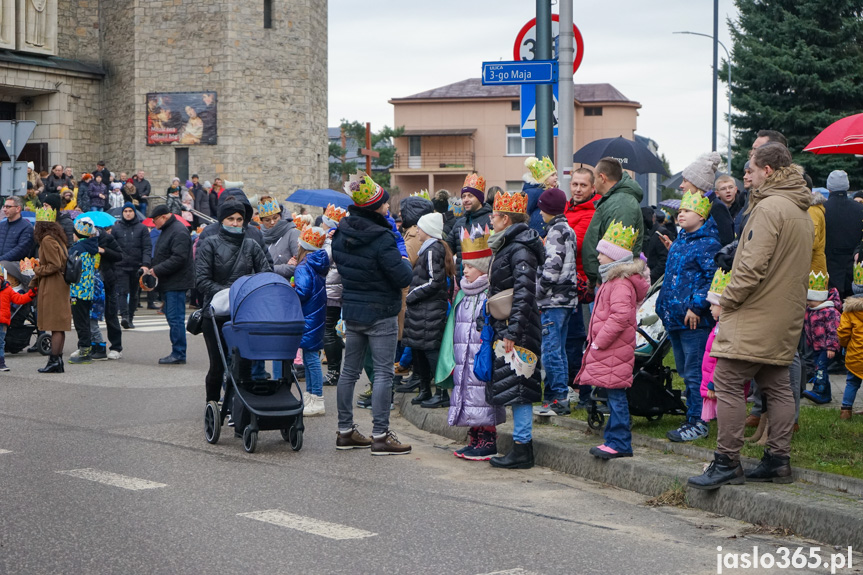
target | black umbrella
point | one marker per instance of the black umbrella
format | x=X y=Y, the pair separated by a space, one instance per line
x=632 y=155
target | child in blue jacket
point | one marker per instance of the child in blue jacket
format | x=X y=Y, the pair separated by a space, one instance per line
x=683 y=304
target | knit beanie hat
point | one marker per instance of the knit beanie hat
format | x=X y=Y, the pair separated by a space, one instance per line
x=482 y=264
x=552 y=201
x=53 y=200
x=702 y=172
x=231 y=208
x=837 y=181
x=432 y=224
x=129 y=205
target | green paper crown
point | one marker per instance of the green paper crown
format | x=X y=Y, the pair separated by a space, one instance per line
x=424 y=194
x=362 y=189
x=46 y=214
x=858 y=273
x=695 y=202
x=540 y=170
x=621 y=236
x=818 y=282
x=720 y=281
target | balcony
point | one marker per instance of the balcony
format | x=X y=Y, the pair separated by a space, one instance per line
x=436 y=162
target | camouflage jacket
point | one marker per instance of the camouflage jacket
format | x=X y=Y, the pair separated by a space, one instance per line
x=557 y=279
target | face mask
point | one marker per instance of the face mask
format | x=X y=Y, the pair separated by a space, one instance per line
x=232 y=229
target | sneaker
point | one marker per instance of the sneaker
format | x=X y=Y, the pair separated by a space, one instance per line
x=605 y=452
x=74 y=354
x=3 y=366
x=352 y=439
x=460 y=452
x=364 y=399
x=482 y=452
x=388 y=444
x=544 y=409
x=688 y=432
x=114 y=354
x=82 y=358
x=315 y=407
x=124 y=323
x=99 y=354
x=306 y=399
x=332 y=378
x=230 y=420
x=559 y=407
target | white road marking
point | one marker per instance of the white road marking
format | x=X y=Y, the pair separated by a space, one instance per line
x=307 y=524
x=516 y=571
x=2 y=451
x=113 y=479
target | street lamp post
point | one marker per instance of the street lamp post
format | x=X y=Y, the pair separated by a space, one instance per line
x=715 y=72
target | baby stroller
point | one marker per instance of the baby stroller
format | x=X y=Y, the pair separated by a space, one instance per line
x=651 y=394
x=22 y=323
x=266 y=323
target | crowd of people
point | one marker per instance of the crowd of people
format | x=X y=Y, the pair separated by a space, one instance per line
x=482 y=296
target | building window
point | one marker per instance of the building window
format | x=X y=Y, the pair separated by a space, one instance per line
x=8 y=111
x=593 y=111
x=414 y=146
x=516 y=106
x=516 y=145
x=268 y=13
x=181 y=163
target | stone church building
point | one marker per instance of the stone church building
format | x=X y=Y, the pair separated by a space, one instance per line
x=235 y=89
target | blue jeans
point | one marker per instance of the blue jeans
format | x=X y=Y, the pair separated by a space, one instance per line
x=314 y=374
x=688 y=346
x=522 y=422
x=821 y=363
x=852 y=386
x=381 y=338
x=555 y=324
x=175 y=313
x=617 y=433
x=3 y=329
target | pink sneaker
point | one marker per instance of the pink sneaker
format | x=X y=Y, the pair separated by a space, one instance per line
x=605 y=452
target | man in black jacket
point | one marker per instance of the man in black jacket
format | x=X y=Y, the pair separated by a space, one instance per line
x=172 y=266
x=476 y=213
x=844 y=230
x=142 y=190
x=134 y=239
x=373 y=275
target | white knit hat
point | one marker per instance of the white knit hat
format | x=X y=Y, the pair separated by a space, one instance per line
x=702 y=172
x=432 y=224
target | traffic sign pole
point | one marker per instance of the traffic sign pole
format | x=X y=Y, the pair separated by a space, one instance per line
x=566 y=100
x=544 y=121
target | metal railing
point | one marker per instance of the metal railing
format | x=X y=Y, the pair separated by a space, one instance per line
x=436 y=161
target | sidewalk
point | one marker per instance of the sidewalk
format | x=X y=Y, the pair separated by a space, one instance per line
x=820 y=506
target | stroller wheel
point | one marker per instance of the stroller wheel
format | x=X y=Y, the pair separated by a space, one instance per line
x=595 y=420
x=654 y=417
x=212 y=422
x=294 y=437
x=250 y=440
x=44 y=343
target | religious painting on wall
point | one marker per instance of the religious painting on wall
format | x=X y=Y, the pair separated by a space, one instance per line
x=36 y=25
x=181 y=118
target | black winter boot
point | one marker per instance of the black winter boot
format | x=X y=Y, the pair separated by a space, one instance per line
x=440 y=399
x=424 y=394
x=721 y=471
x=54 y=365
x=775 y=468
x=411 y=385
x=473 y=436
x=521 y=457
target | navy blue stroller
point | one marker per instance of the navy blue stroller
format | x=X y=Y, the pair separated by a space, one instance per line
x=266 y=323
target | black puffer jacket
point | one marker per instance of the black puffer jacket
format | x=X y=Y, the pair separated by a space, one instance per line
x=134 y=239
x=481 y=217
x=252 y=231
x=372 y=268
x=412 y=208
x=425 y=318
x=223 y=259
x=844 y=221
x=172 y=257
x=515 y=266
x=68 y=226
x=112 y=254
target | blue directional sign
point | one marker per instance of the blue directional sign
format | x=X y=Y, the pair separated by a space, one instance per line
x=520 y=72
x=528 y=110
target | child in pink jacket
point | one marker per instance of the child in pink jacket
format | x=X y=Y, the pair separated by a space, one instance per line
x=610 y=349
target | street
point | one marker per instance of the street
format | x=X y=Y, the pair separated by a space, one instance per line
x=105 y=469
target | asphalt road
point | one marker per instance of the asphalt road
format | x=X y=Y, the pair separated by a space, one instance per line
x=105 y=469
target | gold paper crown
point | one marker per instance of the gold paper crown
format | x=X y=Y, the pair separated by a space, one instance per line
x=819 y=281
x=695 y=202
x=720 y=281
x=510 y=202
x=46 y=214
x=313 y=238
x=362 y=189
x=270 y=208
x=424 y=194
x=540 y=170
x=858 y=273
x=474 y=181
x=334 y=213
x=620 y=235
x=474 y=245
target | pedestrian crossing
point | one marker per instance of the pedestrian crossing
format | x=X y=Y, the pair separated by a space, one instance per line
x=113 y=479
x=147 y=323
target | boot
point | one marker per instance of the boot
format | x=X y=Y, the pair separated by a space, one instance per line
x=99 y=352
x=485 y=448
x=440 y=399
x=83 y=356
x=820 y=392
x=845 y=413
x=54 y=365
x=721 y=471
x=424 y=394
x=411 y=385
x=521 y=457
x=473 y=435
x=775 y=468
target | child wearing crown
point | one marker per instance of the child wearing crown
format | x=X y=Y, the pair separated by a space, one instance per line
x=820 y=325
x=610 y=348
x=851 y=338
x=683 y=306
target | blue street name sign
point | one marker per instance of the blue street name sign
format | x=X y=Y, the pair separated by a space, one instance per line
x=521 y=72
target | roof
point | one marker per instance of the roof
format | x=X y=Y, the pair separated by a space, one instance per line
x=50 y=62
x=440 y=132
x=473 y=88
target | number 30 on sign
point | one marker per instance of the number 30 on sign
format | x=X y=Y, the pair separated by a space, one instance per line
x=525 y=42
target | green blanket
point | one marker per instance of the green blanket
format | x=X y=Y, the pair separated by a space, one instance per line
x=446 y=358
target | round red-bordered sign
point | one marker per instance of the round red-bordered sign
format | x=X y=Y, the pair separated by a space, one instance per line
x=522 y=39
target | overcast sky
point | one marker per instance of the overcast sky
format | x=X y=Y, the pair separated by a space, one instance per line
x=382 y=49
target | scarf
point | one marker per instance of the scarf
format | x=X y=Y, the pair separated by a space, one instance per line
x=496 y=241
x=275 y=233
x=473 y=288
x=605 y=268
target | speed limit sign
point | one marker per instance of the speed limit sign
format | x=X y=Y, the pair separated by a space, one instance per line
x=525 y=42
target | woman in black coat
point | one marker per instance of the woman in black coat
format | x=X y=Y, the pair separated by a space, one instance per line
x=221 y=260
x=518 y=253
x=427 y=302
x=134 y=240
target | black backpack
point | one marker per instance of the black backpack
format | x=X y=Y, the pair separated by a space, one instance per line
x=74 y=269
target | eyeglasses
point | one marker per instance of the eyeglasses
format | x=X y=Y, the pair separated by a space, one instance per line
x=9 y=206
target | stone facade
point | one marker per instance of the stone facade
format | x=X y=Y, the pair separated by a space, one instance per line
x=271 y=86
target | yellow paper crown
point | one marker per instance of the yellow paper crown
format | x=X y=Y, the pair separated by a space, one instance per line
x=474 y=245
x=540 y=170
x=720 y=281
x=474 y=181
x=695 y=202
x=362 y=189
x=858 y=273
x=424 y=194
x=270 y=208
x=46 y=214
x=510 y=202
x=620 y=235
x=819 y=281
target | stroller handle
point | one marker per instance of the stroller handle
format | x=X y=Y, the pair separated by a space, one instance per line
x=647 y=337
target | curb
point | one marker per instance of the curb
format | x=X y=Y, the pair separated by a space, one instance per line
x=808 y=510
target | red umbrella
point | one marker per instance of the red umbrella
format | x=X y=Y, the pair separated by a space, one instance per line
x=149 y=222
x=844 y=136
